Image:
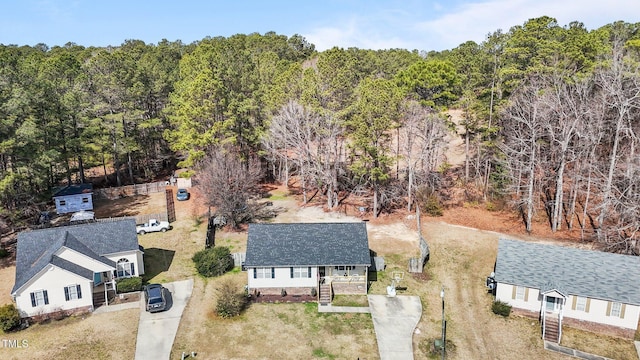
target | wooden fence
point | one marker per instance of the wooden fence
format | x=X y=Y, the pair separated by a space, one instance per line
x=238 y=258
x=140 y=219
x=129 y=190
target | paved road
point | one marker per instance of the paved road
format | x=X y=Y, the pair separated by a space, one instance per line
x=394 y=320
x=157 y=331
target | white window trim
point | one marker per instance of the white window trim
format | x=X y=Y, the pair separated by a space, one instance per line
x=520 y=293
x=263 y=273
x=301 y=272
x=581 y=303
x=39 y=296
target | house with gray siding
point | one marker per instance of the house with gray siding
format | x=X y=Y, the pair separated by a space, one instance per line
x=308 y=259
x=64 y=269
x=591 y=290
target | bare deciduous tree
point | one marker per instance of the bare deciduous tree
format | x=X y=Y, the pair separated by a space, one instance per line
x=423 y=143
x=230 y=184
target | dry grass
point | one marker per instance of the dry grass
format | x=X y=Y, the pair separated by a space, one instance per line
x=461 y=258
x=7 y=279
x=271 y=331
x=101 y=336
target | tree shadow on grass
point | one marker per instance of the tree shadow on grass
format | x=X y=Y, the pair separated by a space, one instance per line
x=156 y=261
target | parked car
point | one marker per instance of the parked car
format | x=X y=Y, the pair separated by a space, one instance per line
x=182 y=195
x=154 y=298
x=152 y=226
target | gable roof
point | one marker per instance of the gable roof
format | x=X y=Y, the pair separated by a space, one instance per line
x=36 y=249
x=587 y=273
x=74 y=190
x=307 y=244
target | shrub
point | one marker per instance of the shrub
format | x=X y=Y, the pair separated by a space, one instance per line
x=126 y=285
x=9 y=317
x=3 y=253
x=213 y=261
x=501 y=308
x=432 y=206
x=231 y=302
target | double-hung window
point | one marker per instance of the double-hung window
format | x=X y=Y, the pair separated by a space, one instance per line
x=39 y=298
x=581 y=303
x=72 y=292
x=300 y=272
x=616 y=309
x=263 y=273
x=520 y=293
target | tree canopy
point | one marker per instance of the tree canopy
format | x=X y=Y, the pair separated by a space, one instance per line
x=549 y=119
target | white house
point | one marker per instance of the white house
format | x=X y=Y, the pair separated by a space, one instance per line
x=586 y=289
x=308 y=258
x=62 y=269
x=74 y=198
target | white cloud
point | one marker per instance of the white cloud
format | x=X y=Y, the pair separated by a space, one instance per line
x=393 y=28
x=475 y=21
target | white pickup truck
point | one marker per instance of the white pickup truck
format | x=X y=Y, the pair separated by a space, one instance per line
x=152 y=226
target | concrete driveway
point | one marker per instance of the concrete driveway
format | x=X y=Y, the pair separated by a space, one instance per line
x=156 y=331
x=394 y=320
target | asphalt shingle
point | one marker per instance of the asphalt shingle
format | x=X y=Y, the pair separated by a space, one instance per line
x=36 y=249
x=74 y=190
x=592 y=274
x=307 y=244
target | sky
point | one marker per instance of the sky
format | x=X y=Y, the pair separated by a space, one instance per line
x=374 y=24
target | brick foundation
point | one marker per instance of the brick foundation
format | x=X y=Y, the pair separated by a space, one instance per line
x=59 y=315
x=349 y=289
x=599 y=328
x=278 y=291
x=582 y=325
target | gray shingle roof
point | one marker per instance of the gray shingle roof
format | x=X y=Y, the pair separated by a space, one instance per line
x=587 y=273
x=74 y=190
x=35 y=249
x=307 y=244
x=72 y=267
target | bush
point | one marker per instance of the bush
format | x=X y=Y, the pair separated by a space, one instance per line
x=501 y=308
x=9 y=317
x=432 y=206
x=230 y=301
x=126 y=285
x=4 y=253
x=213 y=261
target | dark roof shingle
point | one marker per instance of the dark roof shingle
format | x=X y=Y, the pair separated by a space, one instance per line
x=74 y=190
x=587 y=273
x=36 y=249
x=307 y=244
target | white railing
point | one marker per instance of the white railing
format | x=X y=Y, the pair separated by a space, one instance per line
x=348 y=279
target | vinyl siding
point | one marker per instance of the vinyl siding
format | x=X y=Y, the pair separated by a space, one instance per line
x=54 y=280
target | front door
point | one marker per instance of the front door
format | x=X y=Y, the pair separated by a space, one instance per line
x=553 y=304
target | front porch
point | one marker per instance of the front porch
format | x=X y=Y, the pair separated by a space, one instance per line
x=344 y=285
x=553 y=302
x=101 y=293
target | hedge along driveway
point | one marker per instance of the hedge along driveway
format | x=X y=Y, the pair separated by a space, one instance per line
x=156 y=331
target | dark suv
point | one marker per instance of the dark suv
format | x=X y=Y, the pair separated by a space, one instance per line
x=154 y=298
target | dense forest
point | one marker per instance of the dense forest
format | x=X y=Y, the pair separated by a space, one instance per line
x=551 y=119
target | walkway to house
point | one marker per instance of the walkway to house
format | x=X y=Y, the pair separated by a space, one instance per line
x=328 y=308
x=572 y=352
x=156 y=331
x=394 y=321
x=117 y=307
